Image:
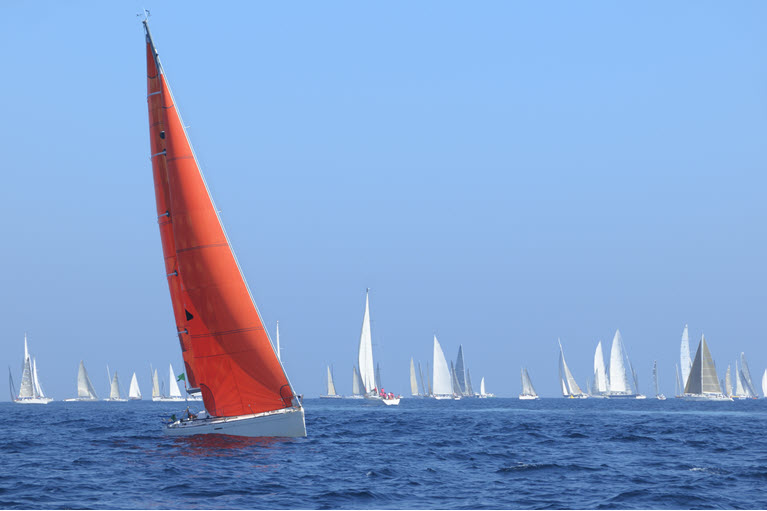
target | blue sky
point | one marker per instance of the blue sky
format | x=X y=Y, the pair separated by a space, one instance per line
x=500 y=174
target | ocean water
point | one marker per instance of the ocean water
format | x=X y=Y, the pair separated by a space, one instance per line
x=492 y=453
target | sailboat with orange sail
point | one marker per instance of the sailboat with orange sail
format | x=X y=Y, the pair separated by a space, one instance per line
x=228 y=356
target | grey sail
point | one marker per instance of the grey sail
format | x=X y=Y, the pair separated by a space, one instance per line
x=572 y=386
x=356 y=382
x=747 y=376
x=428 y=379
x=420 y=373
x=655 y=376
x=456 y=386
x=728 y=381
x=114 y=389
x=678 y=387
x=703 y=379
x=469 y=389
x=460 y=371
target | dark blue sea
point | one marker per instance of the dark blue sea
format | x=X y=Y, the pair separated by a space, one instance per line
x=493 y=453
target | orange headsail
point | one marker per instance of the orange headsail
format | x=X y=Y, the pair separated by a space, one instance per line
x=226 y=349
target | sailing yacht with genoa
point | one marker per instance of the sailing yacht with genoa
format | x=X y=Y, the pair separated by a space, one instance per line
x=85 y=390
x=228 y=356
x=702 y=383
x=528 y=392
x=331 y=388
x=30 y=390
x=570 y=388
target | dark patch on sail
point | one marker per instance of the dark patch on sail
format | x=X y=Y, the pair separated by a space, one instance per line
x=189 y=316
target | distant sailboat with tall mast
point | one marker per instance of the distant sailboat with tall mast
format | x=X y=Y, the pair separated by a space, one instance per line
x=413 y=380
x=764 y=384
x=228 y=355
x=702 y=383
x=442 y=385
x=331 y=388
x=658 y=394
x=601 y=381
x=114 y=389
x=85 y=390
x=30 y=390
x=570 y=388
x=528 y=392
x=134 y=393
x=619 y=384
x=356 y=385
x=371 y=387
x=685 y=362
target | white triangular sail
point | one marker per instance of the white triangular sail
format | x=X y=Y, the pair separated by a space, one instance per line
x=684 y=356
x=527 y=384
x=27 y=387
x=569 y=385
x=85 y=388
x=36 y=381
x=173 y=384
x=331 y=386
x=413 y=379
x=155 y=385
x=365 y=352
x=441 y=385
x=764 y=383
x=740 y=390
x=619 y=381
x=728 y=381
x=134 y=392
x=114 y=390
x=482 y=387
x=601 y=384
x=356 y=383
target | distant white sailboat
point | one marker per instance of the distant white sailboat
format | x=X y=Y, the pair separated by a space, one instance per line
x=413 y=379
x=175 y=392
x=85 y=390
x=134 y=393
x=114 y=390
x=658 y=395
x=528 y=392
x=30 y=391
x=702 y=383
x=601 y=382
x=331 y=388
x=156 y=396
x=684 y=357
x=442 y=382
x=356 y=385
x=764 y=383
x=620 y=386
x=371 y=386
x=460 y=374
x=745 y=372
x=483 y=394
x=570 y=388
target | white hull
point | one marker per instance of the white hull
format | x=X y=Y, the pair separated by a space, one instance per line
x=288 y=422
x=706 y=397
x=660 y=397
x=527 y=397
x=353 y=397
x=33 y=400
x=442 y=397
x=118 y=400
x=169 y=399
x=81 y=400
x=391 y=402
x=336 y=396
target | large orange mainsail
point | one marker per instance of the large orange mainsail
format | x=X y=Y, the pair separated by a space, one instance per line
x=226 y=350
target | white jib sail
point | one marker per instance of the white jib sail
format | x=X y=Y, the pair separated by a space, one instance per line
x=174 y=390
x=365 y=352
x=482 y=386
x=764 y=383
x=331 y=387
x=600 y=373
x=27 y=388
x=85 y=388
x=684 y=356
x=134 y=392
x=38 y=388
x=155 y=385
x=619 y=381
x=442 y=384
x=572 y=386
x=355 y=382
x=114 y=390
x=527 y=384
x=413 y=379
